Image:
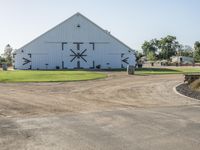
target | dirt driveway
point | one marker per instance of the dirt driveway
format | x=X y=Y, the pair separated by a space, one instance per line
x=118 y=90
x=118 y=113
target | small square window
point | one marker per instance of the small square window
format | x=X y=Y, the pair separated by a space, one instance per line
x=78 y=26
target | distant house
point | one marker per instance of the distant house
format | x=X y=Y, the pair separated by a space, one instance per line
x=182 y=60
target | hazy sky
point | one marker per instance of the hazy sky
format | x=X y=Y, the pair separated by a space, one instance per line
x=132 y=21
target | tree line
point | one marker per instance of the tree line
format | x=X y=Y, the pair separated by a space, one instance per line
x=165 y=48
x=6 y=57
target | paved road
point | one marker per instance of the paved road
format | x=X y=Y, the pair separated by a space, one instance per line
x=121 y=112
x=168 y=128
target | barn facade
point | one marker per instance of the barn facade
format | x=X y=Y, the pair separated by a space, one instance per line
x=75 y=43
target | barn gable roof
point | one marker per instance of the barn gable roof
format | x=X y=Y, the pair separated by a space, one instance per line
x=106 y=32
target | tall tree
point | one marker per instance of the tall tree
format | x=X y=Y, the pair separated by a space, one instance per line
x=138 y=55
x=168 y=46
x=197 y=51
x=151 y=56
x=2 y=60
x=185 y=50
x=149 y=46
x=8 y=54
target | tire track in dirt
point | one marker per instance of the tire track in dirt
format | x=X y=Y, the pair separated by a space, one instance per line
x=118 y=90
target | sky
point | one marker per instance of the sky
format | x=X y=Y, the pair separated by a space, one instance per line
x=131 y=21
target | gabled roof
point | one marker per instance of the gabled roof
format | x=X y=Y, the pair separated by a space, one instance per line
x=106 y=32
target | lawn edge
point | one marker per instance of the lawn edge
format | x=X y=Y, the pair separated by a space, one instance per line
x=175 y=90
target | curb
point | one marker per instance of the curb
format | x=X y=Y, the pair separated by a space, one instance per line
x=174 y=89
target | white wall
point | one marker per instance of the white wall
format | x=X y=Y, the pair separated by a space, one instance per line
x=47 y=49
x=185 y=60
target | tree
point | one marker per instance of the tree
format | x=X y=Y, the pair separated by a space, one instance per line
x=151 y=56
x=7 y=55
x=168 y=46
x=150 y=46
x=138 y=55
x=2 y=60
x=185 y=50
x=197 y=51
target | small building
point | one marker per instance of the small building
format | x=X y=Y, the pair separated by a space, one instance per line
x=183 y=60
x=75 y=43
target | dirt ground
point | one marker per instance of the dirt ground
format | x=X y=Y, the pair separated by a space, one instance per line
x=120 y=112
x=118 y=90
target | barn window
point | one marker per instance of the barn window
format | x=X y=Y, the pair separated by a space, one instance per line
x=78 y=26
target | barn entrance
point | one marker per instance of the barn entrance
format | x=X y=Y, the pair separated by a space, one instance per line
x=77 y=55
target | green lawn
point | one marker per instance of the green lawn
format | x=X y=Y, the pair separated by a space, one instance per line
x=160 y=71
x=65 y=76
x=48 y=76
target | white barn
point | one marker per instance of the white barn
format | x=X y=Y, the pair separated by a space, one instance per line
x=75 y=43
